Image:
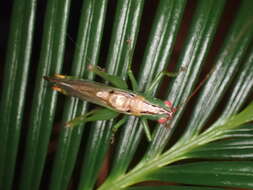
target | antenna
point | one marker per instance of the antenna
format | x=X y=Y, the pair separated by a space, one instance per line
x=197 y=88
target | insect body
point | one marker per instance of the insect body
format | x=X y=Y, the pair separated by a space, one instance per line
x=119 y=100
x=115 y=100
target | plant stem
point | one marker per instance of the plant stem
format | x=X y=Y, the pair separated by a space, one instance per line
x=177 y=152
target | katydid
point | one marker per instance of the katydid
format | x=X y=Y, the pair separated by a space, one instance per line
x=116 y=99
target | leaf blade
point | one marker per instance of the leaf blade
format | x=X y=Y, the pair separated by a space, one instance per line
x=225 y=174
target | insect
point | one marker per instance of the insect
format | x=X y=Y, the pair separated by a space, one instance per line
x=116 y=99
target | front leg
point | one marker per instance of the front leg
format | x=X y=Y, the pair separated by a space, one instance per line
x=159 y=77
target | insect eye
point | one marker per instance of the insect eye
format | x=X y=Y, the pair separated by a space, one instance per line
x=168 y=103
x=162 y=120
x=173 y=110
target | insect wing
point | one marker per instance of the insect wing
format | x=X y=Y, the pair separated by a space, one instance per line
x=85 y=90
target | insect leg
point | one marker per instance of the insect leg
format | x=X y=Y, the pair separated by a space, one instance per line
x=129 y=70
x=115 y=80
x=144 y=123
x=119 y=124
x=94 y=115
x=156 y=80
x=132 y=79
x=159 y=77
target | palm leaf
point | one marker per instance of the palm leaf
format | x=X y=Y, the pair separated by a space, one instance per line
x=208 y=143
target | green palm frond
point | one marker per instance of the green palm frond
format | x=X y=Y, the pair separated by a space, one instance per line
x=208 y=144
